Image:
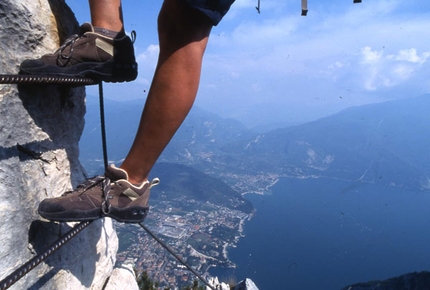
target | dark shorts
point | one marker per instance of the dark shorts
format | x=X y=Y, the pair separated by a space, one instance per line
x=213 y=9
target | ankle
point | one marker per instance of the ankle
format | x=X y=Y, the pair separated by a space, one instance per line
x=108 y=32
x=133 y=179
x=137 y=182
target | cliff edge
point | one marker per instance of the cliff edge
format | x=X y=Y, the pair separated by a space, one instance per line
x=40 y=127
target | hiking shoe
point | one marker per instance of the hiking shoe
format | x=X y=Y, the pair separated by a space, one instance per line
x=90 y=55
x=111 y=195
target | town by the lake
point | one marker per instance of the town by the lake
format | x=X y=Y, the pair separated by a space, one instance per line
x=200 y=233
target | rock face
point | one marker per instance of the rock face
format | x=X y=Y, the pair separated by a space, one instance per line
x=122 y=278
x=40 y=127
x=246 y=284
x=214 y=282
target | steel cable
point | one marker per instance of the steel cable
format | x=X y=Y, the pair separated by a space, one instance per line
x=44 y=79
x=176 y=256
x=32 y=263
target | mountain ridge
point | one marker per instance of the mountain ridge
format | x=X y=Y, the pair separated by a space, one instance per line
x=373 y=143
x=376 y=143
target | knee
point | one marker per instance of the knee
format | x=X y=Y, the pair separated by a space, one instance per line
x=179 y=22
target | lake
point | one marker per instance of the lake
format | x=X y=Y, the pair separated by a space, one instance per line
x=327 y=234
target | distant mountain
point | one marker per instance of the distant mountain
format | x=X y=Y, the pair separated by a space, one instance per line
x=386 y=143
x=410 y=281
x=122 y=119
x=199 y=137
x=184 y=181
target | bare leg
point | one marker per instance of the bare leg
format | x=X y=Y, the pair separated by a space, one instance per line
x=183 y=36
x=107 y=14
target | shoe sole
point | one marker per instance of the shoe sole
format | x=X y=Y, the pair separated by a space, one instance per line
x=133 y=214
x=73 y=215
x=107 y=71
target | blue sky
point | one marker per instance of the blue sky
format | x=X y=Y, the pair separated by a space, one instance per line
x=280 y=67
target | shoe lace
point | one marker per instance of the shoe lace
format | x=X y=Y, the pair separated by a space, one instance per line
x=87 y=184
x=105 y=185
x=69 y=42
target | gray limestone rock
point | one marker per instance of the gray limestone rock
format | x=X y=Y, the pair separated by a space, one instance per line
x=246 y=284
x=215 y=283
x=40 y=127
x=122 y=278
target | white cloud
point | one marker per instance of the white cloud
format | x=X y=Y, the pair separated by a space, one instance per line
x=410 y=55
x=380 y=70
x=147 y=62
x=371 y=57
x=361 y=52
x=150 y=55
x=403 y=72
